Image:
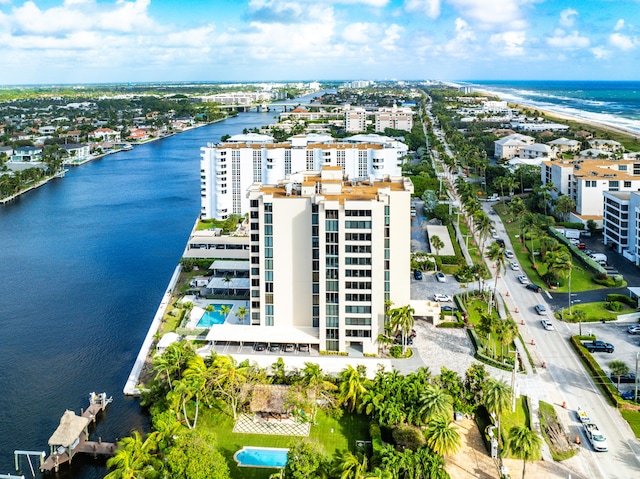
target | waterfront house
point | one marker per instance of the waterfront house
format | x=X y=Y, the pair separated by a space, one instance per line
x=26 y=154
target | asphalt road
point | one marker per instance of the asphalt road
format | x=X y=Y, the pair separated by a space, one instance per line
x=565 y=381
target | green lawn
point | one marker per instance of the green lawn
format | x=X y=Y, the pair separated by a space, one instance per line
x=473 y=249
x=593 y=311
x=510 y=418
x=633 y=418
x=332 y=435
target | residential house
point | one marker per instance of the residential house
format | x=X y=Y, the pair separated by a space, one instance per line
x=509 y=146
x=27 y=154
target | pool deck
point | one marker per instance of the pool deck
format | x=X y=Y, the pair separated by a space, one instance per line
x=246 y=424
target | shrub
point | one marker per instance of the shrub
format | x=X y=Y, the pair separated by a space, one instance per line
x=570 y=225
x=409 y=437
x=622 y=298
x=614 y=306
x=376 y=442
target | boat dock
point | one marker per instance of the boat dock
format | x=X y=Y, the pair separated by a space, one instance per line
x=72 y=436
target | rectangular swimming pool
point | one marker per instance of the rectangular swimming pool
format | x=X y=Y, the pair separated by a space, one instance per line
x=250 y=456
x=209 y=318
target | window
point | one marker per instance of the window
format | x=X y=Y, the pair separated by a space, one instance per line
x=627 y=184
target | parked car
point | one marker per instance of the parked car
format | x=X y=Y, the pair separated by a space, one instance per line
x=274 y=347
x=534 y=287
x=582 y=246
x=441 y=277
x=629 y=395
x=442 y=298
x=494 y=234
x=448 y=308
x=634 y=329
x=303 y=348
x=546 y=324
x=514 y=266
x=595 y=346
x=289 y=348
x=260 y=347
x=623 y=378
x=508 y=254
x=417 y=275
x=500 y=242
x=523 y=279
x=540 y=309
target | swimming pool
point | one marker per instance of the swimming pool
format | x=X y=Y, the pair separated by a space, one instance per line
x=209 y=318
x=250 y=456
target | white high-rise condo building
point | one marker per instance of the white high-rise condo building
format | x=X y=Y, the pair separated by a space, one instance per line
x=326 y=253
x=228 y=169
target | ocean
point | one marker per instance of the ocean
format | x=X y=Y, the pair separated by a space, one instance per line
x=615 y=103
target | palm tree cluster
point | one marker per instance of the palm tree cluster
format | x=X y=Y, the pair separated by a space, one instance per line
x=419 y=404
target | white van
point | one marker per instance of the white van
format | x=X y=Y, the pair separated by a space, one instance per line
x=600 y=258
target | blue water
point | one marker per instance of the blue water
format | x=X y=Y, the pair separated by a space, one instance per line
x=209 y=318
x=85 y=261
x=261 y=457
x=614 y=102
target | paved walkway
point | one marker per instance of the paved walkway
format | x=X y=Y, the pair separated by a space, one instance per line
x=273 y=427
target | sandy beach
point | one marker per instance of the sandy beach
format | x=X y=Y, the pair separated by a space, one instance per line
x=566 y=117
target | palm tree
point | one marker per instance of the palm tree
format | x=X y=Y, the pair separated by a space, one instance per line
x=484 y=225
x=517 y=209
x=530 y=225
x=561 y=264
x=224 y=310
x=227 y=280
x=437 y=244
x=496 y=254
x=227 y=379
x=402 y=319
x=242 y=313
x=435 y=401
x=314 y=381
x=618 y=368
x=134 y=458
x=351 y=466
x=564 y=205
x=442 y=437
x=524 y=444
x=497 y=398
x=352 y=387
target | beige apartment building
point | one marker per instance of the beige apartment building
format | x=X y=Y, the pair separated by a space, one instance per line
x=326 y=253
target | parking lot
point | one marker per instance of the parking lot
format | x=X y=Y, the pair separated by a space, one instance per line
x=627 y=346
x=426 y=288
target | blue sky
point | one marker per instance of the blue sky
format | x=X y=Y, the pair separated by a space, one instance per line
x=82 y=41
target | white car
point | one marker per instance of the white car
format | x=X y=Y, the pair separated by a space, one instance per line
x=514 y=266
x=546 y=324
x=494 y=234
x=442 y=298
x=523 y=279
x=508 y=254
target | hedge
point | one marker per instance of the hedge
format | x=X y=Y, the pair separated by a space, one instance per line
x=570 y=225
x=622 y=298
x=450 y=324
x=599 y=376
x=376 y=443
x=577 y=253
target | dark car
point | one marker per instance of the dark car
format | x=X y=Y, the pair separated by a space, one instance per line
x=595 y=346
x=500 y=242
x=582 y=246
x=448 y=308
x=417 y=275
x=623 y=378
x=260 y=347
x=629 y=395
x=534 y=287
x=274 y=347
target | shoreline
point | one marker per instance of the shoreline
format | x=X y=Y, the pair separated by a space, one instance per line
x=634 y=135
x=62 y=173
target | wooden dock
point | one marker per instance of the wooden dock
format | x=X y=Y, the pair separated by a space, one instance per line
x=72 y=436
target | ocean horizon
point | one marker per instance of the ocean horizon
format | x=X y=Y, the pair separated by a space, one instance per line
x=615 y=103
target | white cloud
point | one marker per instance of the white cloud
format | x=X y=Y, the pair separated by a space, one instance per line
x=600 y=53
x=431 y=8
x=619 y=25
x=361 y=33
x=623 y=42
x=570 y=42
x=391 y=35
x=494 y=13
x=509 y=43
x=462 y=44
x=568 y=17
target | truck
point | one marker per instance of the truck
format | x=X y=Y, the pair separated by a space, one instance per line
x=572 y=234
x=598 y=346
x=599 y=258
x=595 y=437
x=583 y=416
